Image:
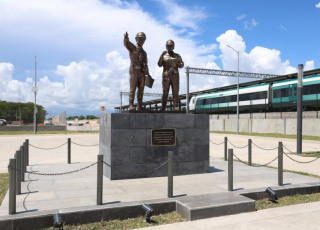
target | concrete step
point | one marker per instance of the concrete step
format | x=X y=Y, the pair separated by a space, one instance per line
x=213 y=205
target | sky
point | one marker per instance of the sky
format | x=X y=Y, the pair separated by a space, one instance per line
x=82 y=63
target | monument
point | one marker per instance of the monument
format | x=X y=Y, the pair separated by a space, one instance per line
x=138 y=67
x=133 y=144
x=170 y=77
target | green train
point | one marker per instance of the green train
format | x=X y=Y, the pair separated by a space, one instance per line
x=281 y=95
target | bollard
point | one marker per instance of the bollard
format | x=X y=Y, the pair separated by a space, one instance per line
x=22 y=163
x=27 y=147
x=25 y=155
x=280 y=164
x=230 y=169
x=18 y=174
x=225 y=148
x=170 y=174
x=99 y=179
x=69 y=150
x=249 y=152
x=12 y=186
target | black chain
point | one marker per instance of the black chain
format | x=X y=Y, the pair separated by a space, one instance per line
x=238 y=147
x=83 y=145
x=300 y=155
x=55 y=174
x=301 y=162
x=149 y=171
x=217 y=143
x=47 y=148
x=264 y=148
x=255 y=165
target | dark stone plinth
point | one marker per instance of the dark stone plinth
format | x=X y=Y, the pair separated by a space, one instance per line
x=125 y=142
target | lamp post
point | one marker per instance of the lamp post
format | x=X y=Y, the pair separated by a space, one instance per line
x=35 y=89
x=237 y=91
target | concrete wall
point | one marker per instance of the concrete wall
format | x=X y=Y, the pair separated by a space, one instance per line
x=310 y=127
x=125 y=142
x=83 y=128
x=31 y=128
x=60 y=119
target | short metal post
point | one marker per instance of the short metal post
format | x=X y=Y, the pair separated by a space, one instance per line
x=299 y=109
x=230 y=169
x=170 y=174
x=249 y=152
x=18 y=174
x=225 y=148
x=280 y=164
x=69 y=150
x=27 y=146
x=23 y=155
x=99 y=179
x=12 y=186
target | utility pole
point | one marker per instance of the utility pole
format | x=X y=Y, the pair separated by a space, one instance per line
x=35 y=89
x=299 y=109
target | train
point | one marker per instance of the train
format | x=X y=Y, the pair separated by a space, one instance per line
x=274 y=96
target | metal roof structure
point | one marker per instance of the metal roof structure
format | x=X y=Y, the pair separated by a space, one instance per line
x=266 y=79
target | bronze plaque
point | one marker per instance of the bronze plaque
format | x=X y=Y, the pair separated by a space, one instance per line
x=163 y=137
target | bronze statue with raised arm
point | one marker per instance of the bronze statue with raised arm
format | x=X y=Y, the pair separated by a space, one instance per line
x=138 y=67
x=170 y=61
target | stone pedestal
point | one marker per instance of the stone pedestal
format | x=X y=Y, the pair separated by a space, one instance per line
x=125 y=142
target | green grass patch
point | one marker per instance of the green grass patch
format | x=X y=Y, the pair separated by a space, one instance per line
x=132 y=223
x=4 y=185
x=288 y=200
x=275 y=135
x=44 y=132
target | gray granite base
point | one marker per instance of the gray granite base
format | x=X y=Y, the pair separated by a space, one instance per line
x=125 y=143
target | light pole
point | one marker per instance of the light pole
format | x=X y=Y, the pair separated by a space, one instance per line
x=35 y=89
x=237 y=91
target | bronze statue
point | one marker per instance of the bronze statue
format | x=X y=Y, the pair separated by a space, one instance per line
x=170 y=61
x=138 y=68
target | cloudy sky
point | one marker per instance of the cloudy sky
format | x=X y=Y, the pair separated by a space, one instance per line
x=82 y=63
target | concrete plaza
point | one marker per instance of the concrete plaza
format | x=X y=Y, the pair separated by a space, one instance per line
x=79 y=189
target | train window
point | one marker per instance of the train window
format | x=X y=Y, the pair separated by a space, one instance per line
x=277 y=93
x=311 y=89
x=200 y=101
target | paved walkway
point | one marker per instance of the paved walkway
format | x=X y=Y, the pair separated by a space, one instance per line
x=295 y=217
x=264 y=156
x=79 y=188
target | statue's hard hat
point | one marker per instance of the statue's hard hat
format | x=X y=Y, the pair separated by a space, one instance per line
x=141 y=35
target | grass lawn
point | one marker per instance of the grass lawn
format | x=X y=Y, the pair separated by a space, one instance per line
x=288 y=200
x=133 y=223
x=276 y=135
x=4 y=185
x=44 y=132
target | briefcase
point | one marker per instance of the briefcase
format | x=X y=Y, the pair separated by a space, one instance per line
x=148 y=81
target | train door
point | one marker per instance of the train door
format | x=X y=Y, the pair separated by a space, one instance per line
x=292 y=93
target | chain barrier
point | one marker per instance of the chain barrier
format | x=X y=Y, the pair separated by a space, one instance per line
x=238 y=147
x=301 y=162
x=255 y=165
x=216 y=143
x=263 y=148
x=83 y=145
x=48 y=148
x=141 y=173
x=55 y=174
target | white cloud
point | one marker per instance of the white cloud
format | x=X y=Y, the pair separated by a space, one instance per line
x=257 y=60
x=309 y=65
x=249 y=25
x=283 y=28
x=182 y=16
x=318 y=5
x=242 y=16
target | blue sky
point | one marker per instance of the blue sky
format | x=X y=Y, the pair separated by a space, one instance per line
x=82 y=63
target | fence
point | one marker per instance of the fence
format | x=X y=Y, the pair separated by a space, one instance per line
x=229 y=154
x=18 y=167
